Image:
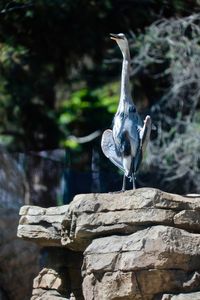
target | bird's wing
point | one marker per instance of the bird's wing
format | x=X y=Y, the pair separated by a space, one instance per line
x=145 y=133
x=108 y=148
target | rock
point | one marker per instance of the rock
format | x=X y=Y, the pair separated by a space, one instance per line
x=61 y=276
x=116 y=285
x=138 y=245
x=47 y=295
x=149 y=262
x=188 y=296
x=49 y=279
x=159 y=247
x=93 y=215
x=19 y=260
x=38 y=211
x=188 y=219
x=41 y=224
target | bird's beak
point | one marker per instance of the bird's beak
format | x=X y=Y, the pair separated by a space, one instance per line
x=114 y=36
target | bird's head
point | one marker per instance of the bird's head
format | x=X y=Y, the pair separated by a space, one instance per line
x=121 y=41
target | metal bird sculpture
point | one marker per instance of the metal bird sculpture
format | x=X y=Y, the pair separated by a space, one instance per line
x=125 y=144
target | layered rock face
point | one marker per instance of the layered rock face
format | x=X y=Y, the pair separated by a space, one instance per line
x=137 y=245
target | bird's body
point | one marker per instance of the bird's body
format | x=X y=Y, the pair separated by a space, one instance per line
x=125 y=143
x=126 y=135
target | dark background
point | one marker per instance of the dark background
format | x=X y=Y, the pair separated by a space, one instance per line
x=59 y=79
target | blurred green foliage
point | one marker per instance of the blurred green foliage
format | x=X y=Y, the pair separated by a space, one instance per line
x=53 y=82
x=86 y=109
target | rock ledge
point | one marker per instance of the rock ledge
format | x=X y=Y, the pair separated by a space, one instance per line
x=141 y=244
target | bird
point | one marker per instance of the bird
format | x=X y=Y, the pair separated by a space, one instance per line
x=125 y=144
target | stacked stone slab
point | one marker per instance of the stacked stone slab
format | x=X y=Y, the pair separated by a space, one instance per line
x=137 y=245
x=61 y=277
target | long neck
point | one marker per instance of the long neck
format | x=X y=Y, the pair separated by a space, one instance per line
x=125 y=94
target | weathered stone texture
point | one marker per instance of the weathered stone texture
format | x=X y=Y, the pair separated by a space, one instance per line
x=151 y=261
x=189 y=296
x=42 y=225
x=159 y=247
x=138 y=245
x=95 y=215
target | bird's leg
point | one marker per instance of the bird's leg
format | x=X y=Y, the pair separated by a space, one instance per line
x=123 y=187
x=133 y=178
x=124 y=183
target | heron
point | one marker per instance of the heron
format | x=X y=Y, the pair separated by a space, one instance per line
x=125 y=144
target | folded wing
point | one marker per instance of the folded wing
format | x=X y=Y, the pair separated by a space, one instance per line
x=144 y=134
x=108 y=148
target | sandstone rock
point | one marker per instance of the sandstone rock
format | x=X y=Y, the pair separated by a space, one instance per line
x=37 y=210
x=138 y=245
x=48 y=295
x=140 y=285
x=111 y=285
x=188 y=296
x=188 y=219
x=149 y=262
x=160 y=247
x=42 y=225
x=61 y=276
x=49 y=236
x=93 y=215
x=155 y=281
x=50 y=279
